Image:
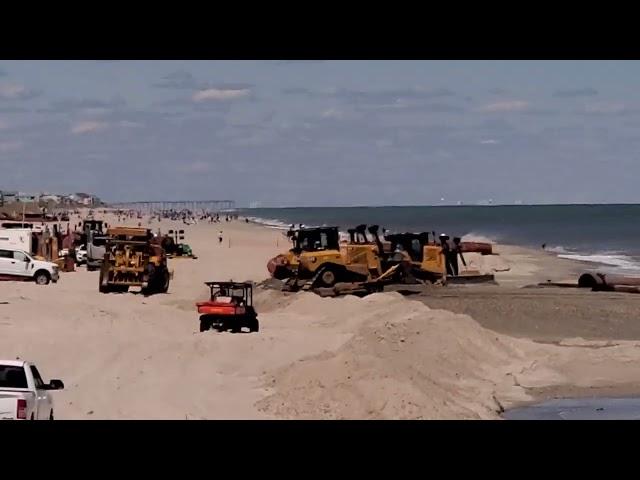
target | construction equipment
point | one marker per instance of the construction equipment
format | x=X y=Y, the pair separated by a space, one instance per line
x=358 y=260
x=230 y=307
x=94 y=238
x=133 y=258
x=173 y=247
x=319 y=262
x=425 y=258
x=317 y=245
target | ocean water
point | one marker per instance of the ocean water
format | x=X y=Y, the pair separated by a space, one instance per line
x=605 y=235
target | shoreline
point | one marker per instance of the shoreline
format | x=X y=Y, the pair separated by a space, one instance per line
x=564 y=255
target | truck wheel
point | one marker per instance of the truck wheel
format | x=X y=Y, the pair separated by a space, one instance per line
x=42 y=277
x=165 y=279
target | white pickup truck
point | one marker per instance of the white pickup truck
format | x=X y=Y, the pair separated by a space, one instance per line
x=19 y=265
x=23 y=394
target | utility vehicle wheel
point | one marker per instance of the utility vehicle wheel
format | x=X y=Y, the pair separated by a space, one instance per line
x=205 y=324
x=42 y=277
x=253 y=324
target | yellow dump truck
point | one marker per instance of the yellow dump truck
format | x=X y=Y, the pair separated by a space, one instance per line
x=133 y=258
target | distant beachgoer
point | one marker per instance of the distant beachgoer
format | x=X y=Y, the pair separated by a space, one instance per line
x=220 y=238
x=544 y=245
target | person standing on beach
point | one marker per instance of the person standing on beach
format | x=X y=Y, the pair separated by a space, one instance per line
x=457 y=250
x=220 y=238
x=446 y=252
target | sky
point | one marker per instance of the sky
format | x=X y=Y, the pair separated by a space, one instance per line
x=323 y=133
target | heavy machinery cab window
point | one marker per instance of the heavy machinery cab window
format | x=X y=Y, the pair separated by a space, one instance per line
x=99 y=241
x=12 y=377
x=317 y=239
x=416 y=249
x=6 y=254
x=324 y=241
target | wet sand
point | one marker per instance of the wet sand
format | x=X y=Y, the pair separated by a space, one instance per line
x=544 y=314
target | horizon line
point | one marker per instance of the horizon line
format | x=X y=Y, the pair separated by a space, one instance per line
x=575 y=204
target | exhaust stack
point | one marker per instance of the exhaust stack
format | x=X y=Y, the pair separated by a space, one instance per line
x=362 y=230
x=373 y=230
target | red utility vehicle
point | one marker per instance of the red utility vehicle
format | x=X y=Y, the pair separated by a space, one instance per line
x=229 y=308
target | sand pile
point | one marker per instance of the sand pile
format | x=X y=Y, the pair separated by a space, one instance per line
x=485 y=264
x=408 y=361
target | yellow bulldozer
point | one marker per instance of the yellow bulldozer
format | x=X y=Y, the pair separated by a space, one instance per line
x=318 y=260
x=133 y=258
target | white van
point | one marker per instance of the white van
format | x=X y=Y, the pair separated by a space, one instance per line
x=19 y=265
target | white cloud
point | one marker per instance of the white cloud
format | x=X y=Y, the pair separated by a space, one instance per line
x=128 y=124
x=505 y=106
x=88 y=126
x=220 y=94
x=332 y=113
x=6 y=147
x=489 y=141
x=12 y=90
x=605 y=107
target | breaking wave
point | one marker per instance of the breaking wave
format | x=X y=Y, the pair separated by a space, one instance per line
x=270 y=223
x=624 y=262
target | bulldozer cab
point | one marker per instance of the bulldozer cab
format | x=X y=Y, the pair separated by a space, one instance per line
x=129 y=234
x=177 y=235
x=425 y=256
x=411 y=243
x=92 y=225
x=315 y=239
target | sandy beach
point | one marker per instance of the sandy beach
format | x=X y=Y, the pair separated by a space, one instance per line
x=455 y=352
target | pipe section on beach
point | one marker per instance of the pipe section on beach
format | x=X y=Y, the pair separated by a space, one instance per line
x=605 y=282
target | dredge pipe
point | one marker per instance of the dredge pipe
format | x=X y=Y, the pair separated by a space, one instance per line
x=603 y=281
